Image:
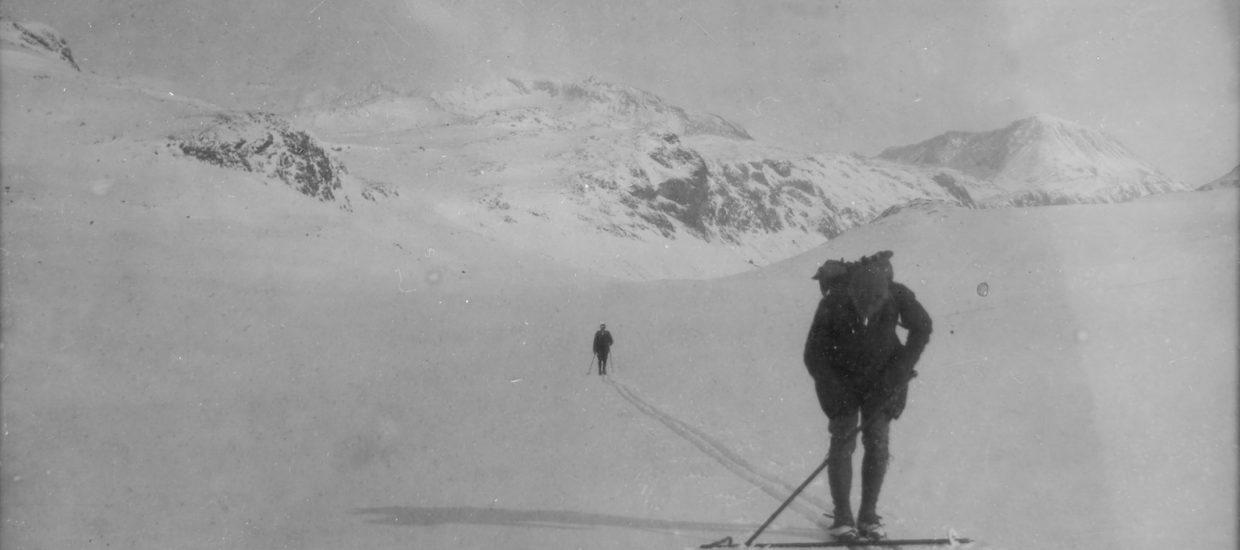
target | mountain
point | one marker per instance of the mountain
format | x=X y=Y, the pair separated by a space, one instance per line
x=579 y=105
x=591 y=171
x=1228 y=180
x=1041 y=160
x=591 y=175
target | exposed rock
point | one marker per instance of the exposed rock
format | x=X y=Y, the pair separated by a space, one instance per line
x=38 y=38
x=264 y=143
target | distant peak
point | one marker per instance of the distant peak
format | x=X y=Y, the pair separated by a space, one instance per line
x=1038 y=153
x=1044 y=120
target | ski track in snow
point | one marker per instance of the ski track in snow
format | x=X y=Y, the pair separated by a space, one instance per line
x=767 y=482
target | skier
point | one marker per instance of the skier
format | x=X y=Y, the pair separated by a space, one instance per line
x=602 y=347
x=861 y=373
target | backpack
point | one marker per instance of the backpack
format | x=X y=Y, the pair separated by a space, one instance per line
x=836 y=273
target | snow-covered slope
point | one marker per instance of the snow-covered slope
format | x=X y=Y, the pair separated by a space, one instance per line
x=1041 y=160
x=541 y=104
x=261 y=373
x=201 y=357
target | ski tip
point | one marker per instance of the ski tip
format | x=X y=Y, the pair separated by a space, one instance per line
x=725 y=542
x=956 y=541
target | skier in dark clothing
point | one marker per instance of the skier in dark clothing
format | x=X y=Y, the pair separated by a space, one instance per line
x=602 y=348
x=861 y=372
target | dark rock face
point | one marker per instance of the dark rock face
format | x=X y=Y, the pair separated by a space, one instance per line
x=264 y=143
x=730 y=200
x=948 y=183
x=38 y=37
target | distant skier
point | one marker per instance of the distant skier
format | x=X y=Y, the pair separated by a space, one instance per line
x=861 y=373
x=602 y=348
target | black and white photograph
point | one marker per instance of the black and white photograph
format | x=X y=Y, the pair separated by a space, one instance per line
x=619 y=275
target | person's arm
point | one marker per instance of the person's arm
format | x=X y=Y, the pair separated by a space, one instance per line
x=916 y=319
x=816 y=343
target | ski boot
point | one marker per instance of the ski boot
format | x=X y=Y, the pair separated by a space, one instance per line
x=842 y=529
x=871 y=528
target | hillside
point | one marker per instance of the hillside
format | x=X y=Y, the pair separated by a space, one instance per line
x=1041 y=160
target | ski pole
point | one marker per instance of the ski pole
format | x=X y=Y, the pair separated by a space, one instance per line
x=591 y=367
x=851 y=434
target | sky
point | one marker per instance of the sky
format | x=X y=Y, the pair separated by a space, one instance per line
x=859 y=77
x=819 y=76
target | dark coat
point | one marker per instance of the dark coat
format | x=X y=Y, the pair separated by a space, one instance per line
x=855 y=365
x=602 y=342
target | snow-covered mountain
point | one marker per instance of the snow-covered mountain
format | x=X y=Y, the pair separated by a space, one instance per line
x=1230 y=179
x=554 y=105
x=613 y=179
x=617 y=169
x=1041 y=160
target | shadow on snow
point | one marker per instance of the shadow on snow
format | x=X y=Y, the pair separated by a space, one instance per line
x=415 y=516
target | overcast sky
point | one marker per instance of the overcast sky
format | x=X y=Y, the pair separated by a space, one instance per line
x=847 y=76
x=855 y=76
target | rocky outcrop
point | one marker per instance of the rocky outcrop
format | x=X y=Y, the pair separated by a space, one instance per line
x=37 y=38
x=264 y=143
x=685 y=188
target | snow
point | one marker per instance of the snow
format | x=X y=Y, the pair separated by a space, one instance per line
x=1042 y=156
x=200 y=358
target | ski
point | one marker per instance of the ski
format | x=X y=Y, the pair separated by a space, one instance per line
x=727 y=542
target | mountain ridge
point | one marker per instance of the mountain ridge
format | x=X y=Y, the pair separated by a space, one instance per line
x=591 y=174
x=1041 y=159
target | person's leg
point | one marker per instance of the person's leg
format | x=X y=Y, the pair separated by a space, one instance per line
x=874 y=438
x=839 y=466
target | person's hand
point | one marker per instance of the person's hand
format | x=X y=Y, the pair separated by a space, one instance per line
x=896 y=401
